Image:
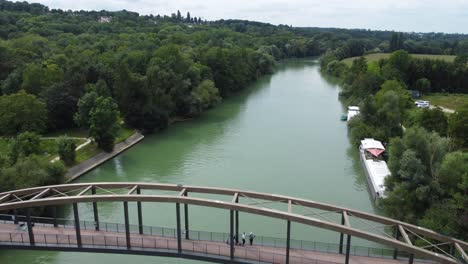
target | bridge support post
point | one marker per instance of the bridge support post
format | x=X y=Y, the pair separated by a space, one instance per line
x=54 y=215
x=348 y=249
x=237 y=222
x=127 y=224
x=77 y=224
x=140 y=215
x=15 y=213
x=288 y=241
x=95 y=210
x=30 y=227
x=231 y=232
x=179 y=238
x=340 y=250
x=397 y=237
x=187 y=236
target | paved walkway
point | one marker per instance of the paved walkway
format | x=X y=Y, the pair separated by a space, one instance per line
x=88 y=165
x=66 y=237
x=444 y=109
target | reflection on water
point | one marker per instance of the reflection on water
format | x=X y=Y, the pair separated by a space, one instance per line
x=282 y=135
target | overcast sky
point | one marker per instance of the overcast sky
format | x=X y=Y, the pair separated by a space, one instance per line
x=449 y=16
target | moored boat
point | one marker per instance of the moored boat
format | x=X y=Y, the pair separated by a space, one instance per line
x=352 y=112
x=375 y=168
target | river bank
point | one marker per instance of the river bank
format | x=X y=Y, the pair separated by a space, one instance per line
x=76 y=171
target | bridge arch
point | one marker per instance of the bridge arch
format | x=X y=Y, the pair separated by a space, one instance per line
x=133 y=192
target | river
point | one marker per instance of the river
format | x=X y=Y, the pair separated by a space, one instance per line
x=281 y=135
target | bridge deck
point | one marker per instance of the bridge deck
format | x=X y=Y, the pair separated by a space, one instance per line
x=52 y=237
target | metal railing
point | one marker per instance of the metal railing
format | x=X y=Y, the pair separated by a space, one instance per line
x=215 y=237
x=119 y=243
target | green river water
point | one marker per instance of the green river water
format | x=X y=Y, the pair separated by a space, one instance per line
x=281 y=135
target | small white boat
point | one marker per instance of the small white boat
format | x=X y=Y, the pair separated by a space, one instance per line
x=352 y=112
x=375 y=168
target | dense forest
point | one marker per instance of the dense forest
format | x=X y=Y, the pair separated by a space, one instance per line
x=426 y=148
x=99 y=70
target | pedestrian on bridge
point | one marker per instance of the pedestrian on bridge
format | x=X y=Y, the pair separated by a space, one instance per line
x=243 y=239
x=251 y=237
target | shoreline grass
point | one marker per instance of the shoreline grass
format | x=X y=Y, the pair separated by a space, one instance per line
x=377 y=56
x=450 y=101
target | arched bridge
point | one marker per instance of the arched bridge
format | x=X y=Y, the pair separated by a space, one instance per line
x=407 y=242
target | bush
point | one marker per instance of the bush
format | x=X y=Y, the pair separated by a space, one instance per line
x=25 y=144
x=29 y=172
x=66 y=150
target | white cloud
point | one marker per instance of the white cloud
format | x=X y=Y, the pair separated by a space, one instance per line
x=402 y=15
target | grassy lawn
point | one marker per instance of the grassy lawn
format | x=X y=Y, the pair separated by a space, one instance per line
x=451 y=101
x=50 y=148
x=377 y=56
x=87 y=152
x=92 y=149
x=124 y=133
x=70 y=132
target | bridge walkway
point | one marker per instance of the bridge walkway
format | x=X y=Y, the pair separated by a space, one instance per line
x=61 y=237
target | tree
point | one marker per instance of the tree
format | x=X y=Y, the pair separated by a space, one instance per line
x=458 y=128
x=61 y=105
x=147 y=119
x=434 y=120
x=66 y=150
x=24 y=145
x=32 y=78
x=188 y=19
x=414 y=161
x=179 y=16
x=204 y=96
x=29 y=172
x=423 y=85
x=171 y=77
x=104 y=123
x=85 y=105
x=396 y=43
x=13 y=82
x=21 y=112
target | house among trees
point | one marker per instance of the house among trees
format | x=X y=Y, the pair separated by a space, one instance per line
x=105 y=19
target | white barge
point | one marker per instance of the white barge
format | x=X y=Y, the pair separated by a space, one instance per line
x=352 y=112
x=375 y=168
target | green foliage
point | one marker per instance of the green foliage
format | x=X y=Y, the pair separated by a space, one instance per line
x=434 y=120
x=423 y=85
x=415 y=161
x=85 y=105
x=25 y=144
x=103 y=121
x=66 y=150
x=449 y=214
x=396 y=43
x=21 y=112
x=61 y=105
x=148 y=119
x=205 y=96
x=458 y=128
x=171 y=77
x=29 y=172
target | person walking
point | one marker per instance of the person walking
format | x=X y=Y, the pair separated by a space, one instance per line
x=243 y=239
x=251 y=237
